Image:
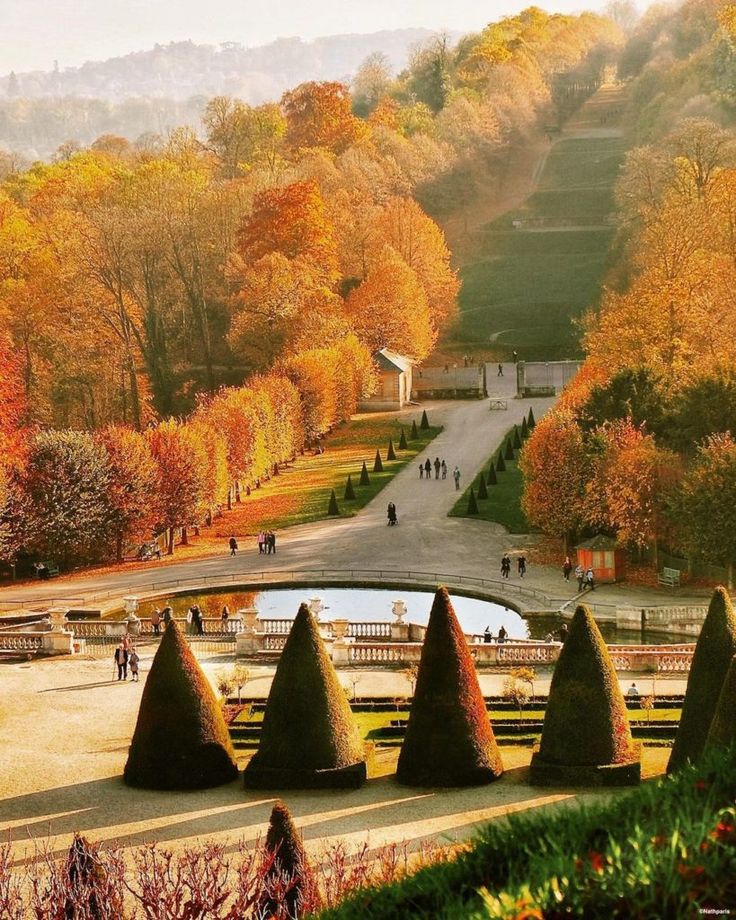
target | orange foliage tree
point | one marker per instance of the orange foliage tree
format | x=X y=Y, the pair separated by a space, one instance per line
x=320 y=115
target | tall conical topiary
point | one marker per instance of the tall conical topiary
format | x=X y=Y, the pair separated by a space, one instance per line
x=349 y=490
x=500 y=463
x=402 y=441
x=332 y=508
x=491 y=478
x=425 y=421
x=517 y=438
x=722 y=732
x=180 y=740
x=472 y=503
x=449 y=740
x=531 y=421
x=290 y=872
x=714 y=650
x=509 y=451
x=414 y=432
x=378 y=463
x=482 y=490
x=524 y=429
x=586 y=739
x=309 y=739
x=365 y=479
x=390 y=453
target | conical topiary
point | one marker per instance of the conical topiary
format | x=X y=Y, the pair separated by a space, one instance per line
x=349 y=490
x=586 y=739
x=309 y=739
x=714 y=650
x=414 y=433
x=482 y=490
x=425 y=421
x=491 y=478
x=500 y=463
x=332 y=508
x=524 y=429
x=472 y=503
x=531 y=421
x=509 y=453
x=722 y=732
x=378 y=463
x=402 y=441
x=449 y=740
x=517 y=438
x=365 y=479
x=289 y=873
x=180 y=740
x=390 y=453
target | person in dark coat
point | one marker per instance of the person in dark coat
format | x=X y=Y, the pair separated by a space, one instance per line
x=428 y=468
x=233 y=544
x=121 y=660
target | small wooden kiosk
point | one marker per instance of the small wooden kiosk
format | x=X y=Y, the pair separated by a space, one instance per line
x=601 y=554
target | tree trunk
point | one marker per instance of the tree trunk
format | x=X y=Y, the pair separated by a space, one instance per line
x=119 y=547
x=655 y=555
x=237 y=492
x=230 y=499
x=170 y=547
x=184 y=537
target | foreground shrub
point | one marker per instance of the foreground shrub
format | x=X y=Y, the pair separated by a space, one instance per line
x=181 y=740
x=714 y=650
x=449 y=740
x=309 y=738
x=289 y=883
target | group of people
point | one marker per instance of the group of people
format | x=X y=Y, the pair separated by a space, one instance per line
x=500 y=638
x=126 y=656
x=266 y=542
x=506 y=566
x=195 y=621
x=440 y=470
x=585 y=577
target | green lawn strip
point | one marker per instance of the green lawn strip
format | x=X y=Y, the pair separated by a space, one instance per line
x=650 y=852
x=503 y=505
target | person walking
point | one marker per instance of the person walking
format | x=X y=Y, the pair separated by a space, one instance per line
x=261 y=543
x=121 y=660
x=522 y=566
x=437 y=466
x=428 y=469
x=505 y=565
x=225 y=616
x=580 y=575
x=392 y=518
x=133 y=661
x=197 y=620
x=502 y=634
x=487 y=635
x=444 y=470
x=562 y=633
x=233 y=544
x=156 y=621
x=456 y=477
x=566 y=568
x=271 y=542
x=421 y=471
x=590 y=579
x=500 y=371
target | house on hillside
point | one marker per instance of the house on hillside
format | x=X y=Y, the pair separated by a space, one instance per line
x=394 y=383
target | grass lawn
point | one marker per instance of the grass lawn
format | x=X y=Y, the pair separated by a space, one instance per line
x=503 y=505
x=528 y=285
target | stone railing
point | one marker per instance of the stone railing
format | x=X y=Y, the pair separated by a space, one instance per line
x=383 y=653
x=21 y=642
x=98 y=629
x=375 y=630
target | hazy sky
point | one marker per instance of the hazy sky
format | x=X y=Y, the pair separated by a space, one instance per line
x=37 y=32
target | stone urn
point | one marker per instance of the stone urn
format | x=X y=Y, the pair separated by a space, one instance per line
x=132 y=620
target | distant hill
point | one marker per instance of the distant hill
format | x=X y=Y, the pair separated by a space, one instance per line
x=180 y=70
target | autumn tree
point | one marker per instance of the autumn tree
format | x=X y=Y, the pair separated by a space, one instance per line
x=371 y=83
x=243 y=137
x=182 y=465
x=320 y=115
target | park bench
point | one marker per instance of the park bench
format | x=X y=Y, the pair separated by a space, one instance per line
x=47 y=569
x=498 y=403
x=669 y=577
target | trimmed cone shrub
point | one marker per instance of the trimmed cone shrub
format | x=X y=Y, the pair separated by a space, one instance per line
x=517 y=438
x=309 y=739
x=501 y=463
x=414 y=433
x=365 y=479
x=390 y=453
x=482 y=491
x=586 y=739
x=449 y=740
x=714 y=650
x=492 y=479
x=402 y=441
x=378 y=463
x=524 y=429
x=722 y=732
x=332 y=508
x=181 y=740
x=531 y=421
x=472 y=503
x=349 y=490
x=509 y=449
x=290 y=873
x=425 y=421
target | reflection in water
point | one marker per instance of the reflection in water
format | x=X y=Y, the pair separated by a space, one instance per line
x=374 y=604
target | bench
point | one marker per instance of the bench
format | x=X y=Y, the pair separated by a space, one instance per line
x=497 y=403
x=46 y=570
x=669 y=577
